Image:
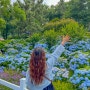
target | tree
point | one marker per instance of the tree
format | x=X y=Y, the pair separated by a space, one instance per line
x=5 y=15
x=11 y=15
x=35 y=15
x=60 y=8
x=57 y=11
x=2 y=25
x=20 y=18
x=80 y=11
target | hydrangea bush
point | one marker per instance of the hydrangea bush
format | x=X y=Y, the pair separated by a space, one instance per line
x=71 y=67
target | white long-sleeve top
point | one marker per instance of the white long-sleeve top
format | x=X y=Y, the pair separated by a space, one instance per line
x=50 y=63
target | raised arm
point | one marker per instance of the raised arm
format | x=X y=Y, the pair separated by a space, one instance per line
x=58 y=51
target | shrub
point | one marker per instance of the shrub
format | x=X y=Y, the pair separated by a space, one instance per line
x=22 y=42
x=57 y=24
x=67 y=26
x=34 y=38
x=3 y=43
x=5 y=64
x=74 y=30
x=61 y=85
x=50 y=37
x=88 y=34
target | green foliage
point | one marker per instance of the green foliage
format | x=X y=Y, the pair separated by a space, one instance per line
x=85 y=68
x=3 y=43
x=50 y=37
x=34 y=38
x=70 y=73
x=88 y=34
x=57 y=24
x=2 y=23
x=55 y=20
x=2 y=87
x=12 y=15
x=35 y=17
x=57 y=11
x=13 y=22
x=4 y=9
x=67 y=26
x=74 y=30
x=80 y=11
x=23 y=19
x=19 y=13
x=61 y=85
x=5 y=64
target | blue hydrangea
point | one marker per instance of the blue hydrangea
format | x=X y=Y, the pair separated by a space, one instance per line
x=2 y=59
x=40 y=45
x=81 y=78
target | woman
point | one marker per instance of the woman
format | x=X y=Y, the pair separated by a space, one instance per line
x=39 y=74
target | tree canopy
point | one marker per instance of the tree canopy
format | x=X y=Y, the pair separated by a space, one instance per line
x=22 y=19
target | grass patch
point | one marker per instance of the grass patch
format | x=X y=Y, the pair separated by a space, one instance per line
x=2 y=87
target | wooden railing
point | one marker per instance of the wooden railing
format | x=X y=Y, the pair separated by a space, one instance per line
x=13 y=86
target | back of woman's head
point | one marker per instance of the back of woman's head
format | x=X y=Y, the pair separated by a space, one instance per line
x=37 y=65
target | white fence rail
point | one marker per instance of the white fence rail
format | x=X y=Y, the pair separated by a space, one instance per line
x=13 y=86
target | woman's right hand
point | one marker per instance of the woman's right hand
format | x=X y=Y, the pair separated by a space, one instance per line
x=65 y=39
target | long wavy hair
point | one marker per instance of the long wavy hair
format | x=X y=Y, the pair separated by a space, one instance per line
x=37 y=66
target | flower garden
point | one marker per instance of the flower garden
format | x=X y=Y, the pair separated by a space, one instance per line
x=71 y=71
x=72 y=67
